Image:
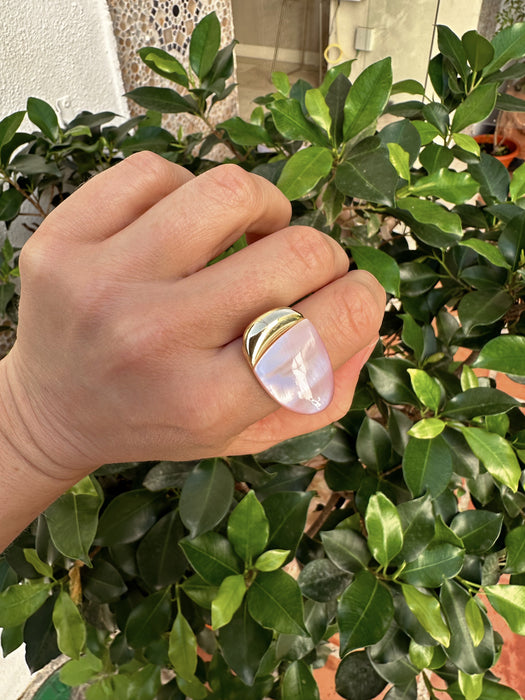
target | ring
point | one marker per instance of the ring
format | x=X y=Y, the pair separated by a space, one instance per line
x=289 y=359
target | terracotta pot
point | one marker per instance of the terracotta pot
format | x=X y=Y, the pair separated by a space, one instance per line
x=512 y=147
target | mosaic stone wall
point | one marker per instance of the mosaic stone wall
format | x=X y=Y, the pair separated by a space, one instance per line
x=166 y=24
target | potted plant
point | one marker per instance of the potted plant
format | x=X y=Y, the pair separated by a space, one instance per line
x=421 y=521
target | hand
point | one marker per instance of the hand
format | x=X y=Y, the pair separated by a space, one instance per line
x=129 y=345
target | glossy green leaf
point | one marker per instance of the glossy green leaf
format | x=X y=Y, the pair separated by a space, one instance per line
x=318 y=109
x=12 y=639
x=515 y=545
x=206 y=496
x=356 y=678
x=10 y=203
x=427 y=610
x=346 y=548
x=229 y=599
x=204 y=44
x=486 y=250
x=70 y=626
x=192 y=688
x=183 y=648
x=474 y=621
x=400 y=159
x=367 y=98
x=300 y=448
x=103 y=583
x=367 y=173
x=212 y=557
x=298 y=683
x=479 y=51
x=475 y=108
x=292 y=124
x=159 y=559
x=364 y=613
x=427 y=212
x=492 y=176
x=373 y=445
x=471 y=685
x=417 y=521
x=483 y=308
x=323 y=581
x=383 y=524
x=506 y=353
x=467 y=143
x=274 y=601
x=128 y=517
x=244 y=133
x=496 y=455
x=437 y=563
x=508 y=44
x=390 y=378
x=509 y=602
x=44 y=117
x=512 y=240
x=20 y=601
x=479 y=401
x=426 y=388
x=168 y=475
x=451 y=46
x=427 y=429
x=75 y=673
x=164 y=64
x=491 y=690
x=381 y=265
x=303 y=171
x=9 y=126
x=477 y=529
x=286 y=513
x=461 y=650
x=164 y=100
x=200 y=591
x=149 y=619
x=38 y=565
x=435 y=158
x=447 y=185
x=517 y=184
x=243 y=643
x=281 y=82
x=271 y=559
x=427 y=465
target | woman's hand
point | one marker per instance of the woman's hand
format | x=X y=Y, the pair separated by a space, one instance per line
x=129 y=345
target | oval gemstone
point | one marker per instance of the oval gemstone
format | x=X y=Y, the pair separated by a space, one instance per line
x=296 y=370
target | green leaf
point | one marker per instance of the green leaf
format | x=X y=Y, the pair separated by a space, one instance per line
x=411 y=87
x=417 y=521
x=486 y=250
x=10 y=202
x=163 y=100
x=356 y=674
x=364 y=613
x=38 y=565
x=509 y=602
x=103 y=583
x=491 y=690
x=426 y=389
x=474 y=621
x=322 y=581
x=512 y=241
x=20 y=601
x=43 y=116
x=346 y=548
x=271 y=559
x=517 y=184
x=451 y=46
x=12 y=639
x=479 y=401
x=164 y=64
x=427 y=212
x=427 y=466
x=75 y=673
x=427 y=610
x=183 y=648
x=478 y=529
x=70 y=626
x=281 y=82
x=483 y=308
x=212 y=557
x=437 y=563
x=367 y=99
x=391 y=380
x=128 y=517
x=191 y=688
x=286 y=513
x=373 y=445
x=400 y=159
x=508 y=44
x=467 y=143
x=298 y=683
x=229 y=599
x=299 y=449
x=385 y=533
x=461 y=650
x=303 y=171
x=446 y=184
x=244 y=133
x=479 y=51
x=331 y=74
x=515 y=545
x=248 y=528
x=198 y=590
x=318 y=109
x=149 y=619
x=427 y=132
x=471 y=685
x=9 y=126
x=476 y=107
x=292 y=124
x=492 y=176
x=367 y=173
x=496 y=455
x=380 y=264
x=427 y=428
x=159 y=561
x=204 y=44
x=206 y=496
x=274 y=601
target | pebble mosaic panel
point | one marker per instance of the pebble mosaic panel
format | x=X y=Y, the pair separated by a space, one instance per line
x=166 y=24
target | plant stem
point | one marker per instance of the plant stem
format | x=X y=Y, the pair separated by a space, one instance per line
x=26 y=196
x=323 y=515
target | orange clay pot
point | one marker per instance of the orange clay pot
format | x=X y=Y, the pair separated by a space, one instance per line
x=512 y=147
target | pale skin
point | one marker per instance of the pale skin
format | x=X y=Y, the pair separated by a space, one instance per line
x=129 y=345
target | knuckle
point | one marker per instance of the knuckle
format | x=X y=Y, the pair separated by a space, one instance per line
x=149 y=170
x=234 y=186
x=314 y=250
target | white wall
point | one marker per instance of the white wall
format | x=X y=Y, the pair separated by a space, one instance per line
x=62 y=51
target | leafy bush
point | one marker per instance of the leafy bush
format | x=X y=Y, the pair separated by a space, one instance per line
x=141 y=565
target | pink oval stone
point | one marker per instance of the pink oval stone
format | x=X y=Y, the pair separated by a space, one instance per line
x=297 y=371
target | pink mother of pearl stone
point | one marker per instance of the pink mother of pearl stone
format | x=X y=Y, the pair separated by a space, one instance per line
x=296 y=370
